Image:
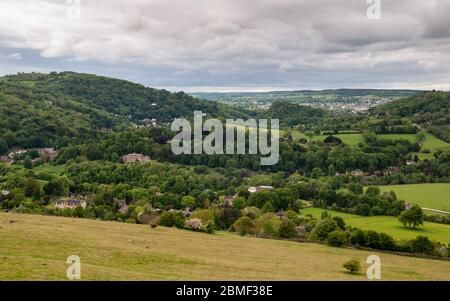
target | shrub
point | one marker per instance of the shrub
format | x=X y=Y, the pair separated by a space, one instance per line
x=353 y=266
x=171 y=219
x=358 y=238
x=239 y=203
x=337 y=238
x=325 y=227
x=422 y=244
x=244 y=225
x=268 y=229
x=194 y=224
x=287 y=229
x=210 y=228
x=340 y=222
x=291 y=215
x=267 y=207
x=387 y=242
x=373 y=239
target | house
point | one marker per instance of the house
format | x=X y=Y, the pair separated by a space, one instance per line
x=5 y=159
x=410 y=162
x=48 y=152
x=280 y=214
x=254 y=189
x=5 y=192
x=356 y=173
x=123 y=207
x=71 y=204
x=392 y=170
x=229 y=200
x=16 y=152
x=131 y=158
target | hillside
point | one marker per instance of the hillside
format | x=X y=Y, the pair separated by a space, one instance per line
x=36 y=247
x=430 y=110
x=56 y=109
x=293 y=114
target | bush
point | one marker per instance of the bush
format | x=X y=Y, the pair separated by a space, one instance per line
x=171 y=219
x=423 y=244
x=244 y=225
x=194 y=224
x=325 y=227
x=340 y=222
x=268 y=229
x=373 y=239
x=287 y=229
x=353 y=266
x=387 y=242
x=337 y=238
x=210 y=228
x=267 y=207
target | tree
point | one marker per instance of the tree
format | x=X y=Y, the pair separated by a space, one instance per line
x=337 y=238
x=287 y=229
x=244 y=225
x=325 y=215
x=412 y=217
x=239 y=203
x=353 y=266
x=27 y=163
x=372 y=190
x=188 y=202
x=339 y=221
x=316 y=173
x=324 y=228
x=422 y=244
x=358 y=238
x=32 y=188
x=331 y=170
x=171 y=219
x=267 y=207
x=258 y=199
x=356 y=188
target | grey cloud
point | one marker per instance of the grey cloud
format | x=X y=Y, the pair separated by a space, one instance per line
x=185 y=43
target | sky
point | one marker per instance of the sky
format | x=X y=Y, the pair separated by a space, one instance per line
x=233 y=45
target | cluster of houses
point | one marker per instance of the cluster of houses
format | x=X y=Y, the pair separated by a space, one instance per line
x=134 y=157
x=252 y=189
x=44 y=153
x=70 y=203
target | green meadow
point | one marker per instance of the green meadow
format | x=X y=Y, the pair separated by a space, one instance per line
x=389 y=225
x=429 y=195
x=409 y=137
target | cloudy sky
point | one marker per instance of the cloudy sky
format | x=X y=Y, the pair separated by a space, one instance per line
x=233 y=45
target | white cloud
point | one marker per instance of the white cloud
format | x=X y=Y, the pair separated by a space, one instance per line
x=241 y=42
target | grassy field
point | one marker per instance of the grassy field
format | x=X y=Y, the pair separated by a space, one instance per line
x=409 y=137
x=389 y=225
x=434 y=144
x=36 y=247
x=351 y=139
x=430 y=195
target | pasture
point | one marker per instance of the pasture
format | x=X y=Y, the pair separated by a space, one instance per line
x=429 y=195
x=389 y=225
x=35 y=247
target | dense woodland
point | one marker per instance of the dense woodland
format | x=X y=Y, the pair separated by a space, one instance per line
x=94 y=121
